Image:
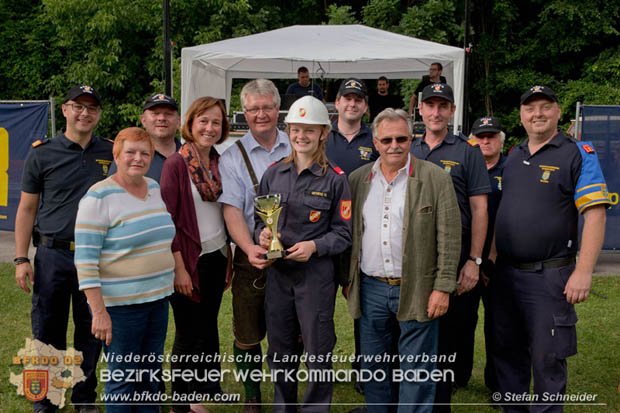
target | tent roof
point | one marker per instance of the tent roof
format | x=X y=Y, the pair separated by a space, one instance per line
x=333 y=47
x=330 y=51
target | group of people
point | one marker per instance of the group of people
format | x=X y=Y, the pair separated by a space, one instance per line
x=415 y=231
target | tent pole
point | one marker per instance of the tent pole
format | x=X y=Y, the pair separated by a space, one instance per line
x=167 y=49
x=467 y=48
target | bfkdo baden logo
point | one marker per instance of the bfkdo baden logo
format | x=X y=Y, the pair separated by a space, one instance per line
x=47 y=372
x=35 y=384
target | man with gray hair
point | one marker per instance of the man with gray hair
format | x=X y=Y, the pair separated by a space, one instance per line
x=406 y=247
x=242 y=166
x=487 y=131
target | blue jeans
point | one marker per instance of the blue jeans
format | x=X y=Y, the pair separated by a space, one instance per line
x=379 y=302
x=137 y=329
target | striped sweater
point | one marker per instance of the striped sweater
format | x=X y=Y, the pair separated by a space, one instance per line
x=122 y=244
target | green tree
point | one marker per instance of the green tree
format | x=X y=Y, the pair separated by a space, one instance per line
x=341 y=15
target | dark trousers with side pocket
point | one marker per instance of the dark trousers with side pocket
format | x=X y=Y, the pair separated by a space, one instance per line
x=534 y=331
x=55 y=288
x=301 y=301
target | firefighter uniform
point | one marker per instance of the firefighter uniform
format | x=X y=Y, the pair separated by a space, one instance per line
x=61 y=171
x=300 y=296
x=536 y=234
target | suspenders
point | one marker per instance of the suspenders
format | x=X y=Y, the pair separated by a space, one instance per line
x=248 y=165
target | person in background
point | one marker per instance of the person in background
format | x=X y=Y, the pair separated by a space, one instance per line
x=314 y=226
x=190 y=186
x=123 y=235
x=463 y=160
x=434 y=76
x=487 y=131
x=57 y=173
x=382 y=99
x=160 y=118
x=303 y=86
x=349 y=143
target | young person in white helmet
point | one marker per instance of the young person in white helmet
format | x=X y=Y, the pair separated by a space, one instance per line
x=313 y=226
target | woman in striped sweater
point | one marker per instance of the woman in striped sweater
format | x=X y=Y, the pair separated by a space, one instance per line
x=123 y=238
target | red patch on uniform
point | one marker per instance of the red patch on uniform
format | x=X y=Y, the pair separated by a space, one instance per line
x=588 y=148
x=338 y=170
x=314 y=216
x=472 y=142
x=345 y=210
x=272 y=164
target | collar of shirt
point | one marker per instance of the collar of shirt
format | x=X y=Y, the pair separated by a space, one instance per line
x=364 y=130
x=315 y=169
x=177 y=145
x=376 y=169
x=67 y=143
x=251 y=143
x=556 y=141
x=449 y=139
x=499 y=163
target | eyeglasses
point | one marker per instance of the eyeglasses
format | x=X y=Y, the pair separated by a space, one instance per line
x=265 y=109
x=388 y=141
x=78 y=108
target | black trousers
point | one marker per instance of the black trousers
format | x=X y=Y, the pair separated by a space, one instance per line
x=301 y=301
x=196 y=328
x=534 y=334
x=55 y=288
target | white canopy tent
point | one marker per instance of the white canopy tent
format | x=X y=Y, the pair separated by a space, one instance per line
x=328 y=51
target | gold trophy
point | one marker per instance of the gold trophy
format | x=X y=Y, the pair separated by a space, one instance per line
x=268 y=208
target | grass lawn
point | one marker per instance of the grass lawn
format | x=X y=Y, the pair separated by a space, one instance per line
x=595 y=370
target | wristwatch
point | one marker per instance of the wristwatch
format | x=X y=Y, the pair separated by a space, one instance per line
x=20 y=260
x=477 y=260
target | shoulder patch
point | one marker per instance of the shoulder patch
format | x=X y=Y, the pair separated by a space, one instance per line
x=588 y=148
x=338 y=170
x=472 y=142
x=39 y=142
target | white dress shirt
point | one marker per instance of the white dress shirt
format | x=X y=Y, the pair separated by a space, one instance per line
x=382 y=215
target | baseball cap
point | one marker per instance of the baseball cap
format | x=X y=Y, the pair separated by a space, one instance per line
x=353 y=85
x=78 y=91
x=438 y=90
x=545 y=91
x=160 y=99
x=487 y=124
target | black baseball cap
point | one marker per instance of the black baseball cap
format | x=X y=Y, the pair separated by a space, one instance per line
x=353 y=85
x=438 y=90
x=487 y=124
x=160 y=99
x=545 y=91
x=78 y=91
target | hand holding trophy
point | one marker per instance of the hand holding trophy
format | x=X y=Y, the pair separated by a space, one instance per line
x=268 y=208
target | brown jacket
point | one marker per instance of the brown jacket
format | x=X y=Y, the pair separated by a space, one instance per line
x=431 y=238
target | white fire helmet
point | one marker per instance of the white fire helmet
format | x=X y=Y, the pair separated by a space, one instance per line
x=308 y=110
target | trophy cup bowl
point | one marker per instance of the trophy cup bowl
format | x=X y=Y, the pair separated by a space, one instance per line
x=268 y=208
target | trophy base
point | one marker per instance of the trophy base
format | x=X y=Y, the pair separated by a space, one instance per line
x=273 y=255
